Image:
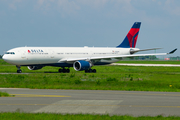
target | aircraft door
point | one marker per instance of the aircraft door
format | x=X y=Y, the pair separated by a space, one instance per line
x=52 y=53
x=23 y=54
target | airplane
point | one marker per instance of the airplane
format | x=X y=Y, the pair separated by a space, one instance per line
x=80 y=58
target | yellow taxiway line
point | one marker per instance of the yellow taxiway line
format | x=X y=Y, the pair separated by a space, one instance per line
x=34 y=95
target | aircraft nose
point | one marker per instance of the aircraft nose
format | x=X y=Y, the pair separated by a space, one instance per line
x=5 y=57
x=8 y=59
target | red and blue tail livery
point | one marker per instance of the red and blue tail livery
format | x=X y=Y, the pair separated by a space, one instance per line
x=131 y=38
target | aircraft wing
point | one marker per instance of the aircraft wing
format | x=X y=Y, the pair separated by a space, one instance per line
x=135 y=51
x=115 y=56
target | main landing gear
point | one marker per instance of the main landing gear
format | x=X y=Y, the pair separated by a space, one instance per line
x=18 y=69
x=64 y=70
x=90 y=71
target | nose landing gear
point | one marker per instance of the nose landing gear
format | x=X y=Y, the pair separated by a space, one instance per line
x=18 y=69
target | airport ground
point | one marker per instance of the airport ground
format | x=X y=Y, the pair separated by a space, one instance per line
x=132 y=103
x=127 y=79
x=114 y=77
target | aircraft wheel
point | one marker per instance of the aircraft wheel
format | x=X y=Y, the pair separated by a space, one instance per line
x=60 y=70
x=64 y=70
x=19 y=71
x=68 y=70
x=94 y=70
x=90 y=71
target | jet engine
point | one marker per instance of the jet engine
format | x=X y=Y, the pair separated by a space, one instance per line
x=34 y=67
x=82 y=65
x=132 y=51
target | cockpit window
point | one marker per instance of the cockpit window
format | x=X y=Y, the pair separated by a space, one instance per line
x=10 y=53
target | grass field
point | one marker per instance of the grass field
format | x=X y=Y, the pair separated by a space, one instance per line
x=131 y=78
x=42 y=116
x=4 y=94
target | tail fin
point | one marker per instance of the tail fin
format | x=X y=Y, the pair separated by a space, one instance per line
x=131 y=38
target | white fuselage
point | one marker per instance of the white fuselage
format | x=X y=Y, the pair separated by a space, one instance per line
x=51 y=55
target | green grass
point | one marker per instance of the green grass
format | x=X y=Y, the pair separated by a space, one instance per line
x=130 y=78
x=4 y=94
x=50 y=116
x=2 y=62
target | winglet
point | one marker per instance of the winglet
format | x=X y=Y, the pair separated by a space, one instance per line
x=172 y=51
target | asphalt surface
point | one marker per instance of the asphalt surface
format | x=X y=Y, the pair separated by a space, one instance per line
x=91 y=101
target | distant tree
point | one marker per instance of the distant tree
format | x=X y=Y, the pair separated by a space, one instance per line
x=0 y=56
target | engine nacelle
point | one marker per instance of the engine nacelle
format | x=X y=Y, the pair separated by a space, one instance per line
x=82 y=65
x=131 y=51
x=34 y=67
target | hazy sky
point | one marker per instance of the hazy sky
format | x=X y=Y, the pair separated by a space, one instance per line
x=98 y=23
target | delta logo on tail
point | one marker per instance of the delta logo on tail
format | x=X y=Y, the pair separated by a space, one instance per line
x=131 y=38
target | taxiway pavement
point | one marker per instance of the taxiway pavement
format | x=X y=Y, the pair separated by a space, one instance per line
x=134 y=103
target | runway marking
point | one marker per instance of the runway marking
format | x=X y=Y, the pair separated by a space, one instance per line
x=34 y=95
x=82 y=106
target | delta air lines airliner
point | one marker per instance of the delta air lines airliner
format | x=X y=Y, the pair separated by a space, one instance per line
x=80 y=58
